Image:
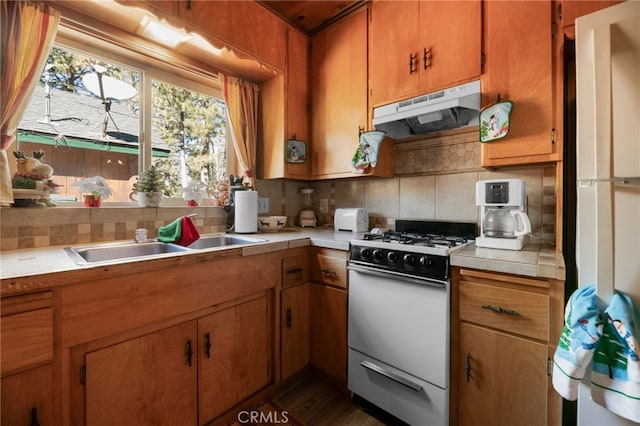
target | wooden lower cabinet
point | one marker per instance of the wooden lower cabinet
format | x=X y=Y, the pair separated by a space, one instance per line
x=186 y=374
x=235 y=365
x=295 y=329
x=26 y=344
x=507 y=379
x=148 y=380
x=328 y=310
x=507 y=327
x=27 y=397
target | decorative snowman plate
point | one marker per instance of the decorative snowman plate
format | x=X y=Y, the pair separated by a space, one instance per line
x=495 y=120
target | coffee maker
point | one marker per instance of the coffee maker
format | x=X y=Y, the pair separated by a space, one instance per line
x=505 y=224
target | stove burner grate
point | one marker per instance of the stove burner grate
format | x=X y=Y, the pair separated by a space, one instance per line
x=428 y=240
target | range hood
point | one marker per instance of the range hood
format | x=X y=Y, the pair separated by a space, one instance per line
x=446 y=109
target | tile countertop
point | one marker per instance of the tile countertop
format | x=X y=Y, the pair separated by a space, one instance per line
x=34 y=269
x=533 y=260
x=37 y=262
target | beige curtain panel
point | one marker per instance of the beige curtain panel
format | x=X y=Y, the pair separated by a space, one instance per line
x=28 y=29
x=241 y=99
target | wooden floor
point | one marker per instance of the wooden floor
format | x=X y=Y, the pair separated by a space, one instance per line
x=313 y=402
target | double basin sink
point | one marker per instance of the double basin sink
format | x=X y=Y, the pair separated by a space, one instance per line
x=130 y=250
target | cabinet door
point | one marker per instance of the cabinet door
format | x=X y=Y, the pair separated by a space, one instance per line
x=338 y=94
x=450 y=43
x=507 y=382
x=328 y=309
x=149 y=380
x=27 y=397
x=295 y=329
x=244 y=24
x=213 y=18
x=519 y=68
x=235 y=364
x=394 y=42
x=297 y=97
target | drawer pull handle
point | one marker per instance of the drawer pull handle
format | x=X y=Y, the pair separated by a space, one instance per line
x=294 y=271
x=393 y=376
x=329 y=272
x=499 y=310
x=467 y=367
x=289 y=318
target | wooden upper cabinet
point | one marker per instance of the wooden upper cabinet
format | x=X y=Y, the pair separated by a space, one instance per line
x=338 y=95
x=285 y=114
x=417 y=47
x=519 y=68
x=244 y=24
x=298 y=97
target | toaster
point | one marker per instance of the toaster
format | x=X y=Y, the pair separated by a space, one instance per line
x=354 y=220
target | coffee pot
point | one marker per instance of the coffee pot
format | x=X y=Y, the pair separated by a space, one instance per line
x=505 y=223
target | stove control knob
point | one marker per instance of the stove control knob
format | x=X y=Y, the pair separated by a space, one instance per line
x=377 y=254
x=425 y=261
x=392 y=257
x=365 y=253
x=409 y=259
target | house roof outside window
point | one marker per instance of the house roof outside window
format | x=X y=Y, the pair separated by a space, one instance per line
x=79 y=118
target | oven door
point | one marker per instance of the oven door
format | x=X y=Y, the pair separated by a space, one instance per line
x=401 y=321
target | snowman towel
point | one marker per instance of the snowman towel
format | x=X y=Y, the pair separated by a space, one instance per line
x=615 y=379
x=580 y=336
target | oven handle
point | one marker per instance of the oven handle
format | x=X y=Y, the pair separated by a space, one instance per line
x=399 y=275
x=393 y=376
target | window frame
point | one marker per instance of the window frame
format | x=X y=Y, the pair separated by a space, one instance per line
x=120 y=52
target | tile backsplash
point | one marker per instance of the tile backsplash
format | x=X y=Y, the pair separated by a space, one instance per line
x=42 y=227
x=434 y=180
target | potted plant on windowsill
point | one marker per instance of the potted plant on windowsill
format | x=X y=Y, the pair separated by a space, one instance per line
x=93 y=190
x=148 y=188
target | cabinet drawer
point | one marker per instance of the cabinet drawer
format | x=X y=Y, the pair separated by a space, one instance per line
x=515 y=311
x=295 y=270
x=27 y=339
x=330 y=267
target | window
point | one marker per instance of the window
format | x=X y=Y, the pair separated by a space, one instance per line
x=99 y=116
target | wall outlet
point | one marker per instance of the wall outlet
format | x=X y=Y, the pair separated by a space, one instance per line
x=324 y=205
x=263 y=205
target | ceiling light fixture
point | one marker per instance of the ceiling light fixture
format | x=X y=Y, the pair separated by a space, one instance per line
x=161 y=32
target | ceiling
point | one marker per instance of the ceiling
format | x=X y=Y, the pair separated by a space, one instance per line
x=311 y=16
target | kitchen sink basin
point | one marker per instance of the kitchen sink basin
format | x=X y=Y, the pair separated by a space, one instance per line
x=212 y=241
x=120 y=251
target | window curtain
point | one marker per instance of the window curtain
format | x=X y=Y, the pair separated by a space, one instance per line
x=241 y=99
x=28 y=29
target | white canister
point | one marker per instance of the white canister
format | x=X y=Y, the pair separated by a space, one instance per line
x=246 y=211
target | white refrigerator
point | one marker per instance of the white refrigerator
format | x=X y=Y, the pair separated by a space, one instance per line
x=608 y=165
